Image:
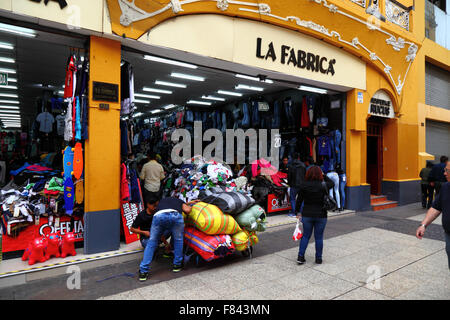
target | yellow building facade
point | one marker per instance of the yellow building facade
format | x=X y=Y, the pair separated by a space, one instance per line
x=382 y=42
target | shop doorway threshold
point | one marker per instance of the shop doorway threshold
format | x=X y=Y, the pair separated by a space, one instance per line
x=15 y=271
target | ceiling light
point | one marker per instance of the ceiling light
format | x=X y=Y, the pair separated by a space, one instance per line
x=155 y=111
x=186 y=76
x=245 y=87
x=9 y=101
x=12 y=80
x=9 y=87
x=141 y=101
x=253 y=78
x=61 y=92
x=170 y=106
x=170 y=84
x=199 y=102
x=146 y=96
x=313 y=89
x=9 y=107
x=229 y=93
x=10 y=115
x=7 y=70
x=156 y=90
x=137 y=114
x=17 y=30
x=8 y=95
x=168 y=61
x=4 y=45
x=7 y=60
x=10 y=111
x=213 y=98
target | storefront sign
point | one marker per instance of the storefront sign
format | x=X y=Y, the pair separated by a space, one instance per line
x=26 y=235
x=297 y=58
x=62 y=3
x=3 y=79
x=105 y=92
x=129 y=213
x=381 y=105
x=274 y=204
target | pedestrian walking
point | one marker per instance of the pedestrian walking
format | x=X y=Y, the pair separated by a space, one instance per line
x=440 y=205
x=314 y=216
x=427 y=190
x=436 y=176
x=296 y=175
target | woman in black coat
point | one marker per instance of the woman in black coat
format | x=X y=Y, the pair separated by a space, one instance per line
x=314 y=216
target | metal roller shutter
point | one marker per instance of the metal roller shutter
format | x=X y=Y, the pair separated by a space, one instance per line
x=437 y=86
x=438 y=139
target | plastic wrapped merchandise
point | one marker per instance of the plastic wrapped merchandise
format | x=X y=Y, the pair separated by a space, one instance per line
x=210 y=219
x=209 y=247
x=252 y=219
x=230 y=202
x=243 y=239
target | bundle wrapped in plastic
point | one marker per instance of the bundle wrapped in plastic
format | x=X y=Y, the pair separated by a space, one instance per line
x=252 y=219
x=230 y=202
x=243 y=239
x=209 y=219
x=209 y=247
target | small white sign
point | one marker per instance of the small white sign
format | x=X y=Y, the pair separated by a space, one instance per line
x=381 y=105
x=360 y=97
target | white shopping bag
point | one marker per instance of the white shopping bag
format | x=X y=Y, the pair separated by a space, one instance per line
x=298 y=232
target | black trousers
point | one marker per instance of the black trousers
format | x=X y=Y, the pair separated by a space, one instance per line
x=427 y=195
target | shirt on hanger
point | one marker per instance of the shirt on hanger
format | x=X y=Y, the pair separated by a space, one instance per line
x=46 y=121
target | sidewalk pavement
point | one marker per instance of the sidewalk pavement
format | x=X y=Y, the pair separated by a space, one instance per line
x=374 y=256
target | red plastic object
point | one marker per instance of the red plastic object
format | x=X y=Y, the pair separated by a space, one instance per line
x=36 y=251
x=53 y=246
x=68 y=245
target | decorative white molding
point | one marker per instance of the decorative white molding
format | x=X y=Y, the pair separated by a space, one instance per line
x=131 y=13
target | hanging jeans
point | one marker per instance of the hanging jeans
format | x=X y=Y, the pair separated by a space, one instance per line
x=337 y=145
x=283 y=146
x=342 y=183
x=292 y=146
x=310 y=225
x=293 y=198
x=167 y=221
x=335 y=178
x=276 y=115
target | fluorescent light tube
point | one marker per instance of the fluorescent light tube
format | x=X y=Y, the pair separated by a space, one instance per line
x=8 y=95
x=141 y=101
x=17 y=30
x=213 y=98
x=245 y=87
x=9 y=101
x=186 y=76
x=199 y=102
x=168 y=61
x=170 y=84
x=137 y=114
x=5 y=115
x=146 y=96
x=313 y=89
x=156 y=111
x=242 y=76
x=7 y=70
x=7 y=60
x=229 y=93
x=9 y=87
x=12 y=80
x=156 y=90
x=4 y=45
x=10 y=111
x=9 y=107
x=170 y=106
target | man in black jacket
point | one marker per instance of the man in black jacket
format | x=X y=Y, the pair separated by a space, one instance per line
x=437 y=177
x=296 y=175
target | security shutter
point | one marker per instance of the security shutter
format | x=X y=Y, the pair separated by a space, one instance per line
x=438 y=139
x=437 y=86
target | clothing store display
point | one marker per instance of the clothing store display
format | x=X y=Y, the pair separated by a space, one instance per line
x=46 y=121
x=334 y=192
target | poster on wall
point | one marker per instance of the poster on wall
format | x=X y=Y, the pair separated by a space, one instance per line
x=20 y=242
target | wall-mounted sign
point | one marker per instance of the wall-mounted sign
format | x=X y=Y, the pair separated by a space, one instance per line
x=381 y=105
x=3 y=79
x=105 y=92
x=296 y=57
x=62 y=3
x=360 y=97
x=104 y=106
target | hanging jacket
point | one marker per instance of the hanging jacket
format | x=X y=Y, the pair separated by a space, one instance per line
x=69 y=81
x=304 y=123
x=124 y=190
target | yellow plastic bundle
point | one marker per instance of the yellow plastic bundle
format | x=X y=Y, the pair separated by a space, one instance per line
x=211 y=220
x=243 y=239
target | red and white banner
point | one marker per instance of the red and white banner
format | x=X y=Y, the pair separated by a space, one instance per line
x=10 y=244
x=275 y=205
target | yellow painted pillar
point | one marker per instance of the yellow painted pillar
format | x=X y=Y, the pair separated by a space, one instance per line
x=102 y=152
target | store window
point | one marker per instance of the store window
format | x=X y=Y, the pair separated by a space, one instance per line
x=43 y=115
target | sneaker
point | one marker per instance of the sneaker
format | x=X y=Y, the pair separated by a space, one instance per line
x=177 y=268
x=143 y=276
x=319 y=260
x=301 y=260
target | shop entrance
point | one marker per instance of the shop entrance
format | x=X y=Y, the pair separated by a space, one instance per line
x=375 y=154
